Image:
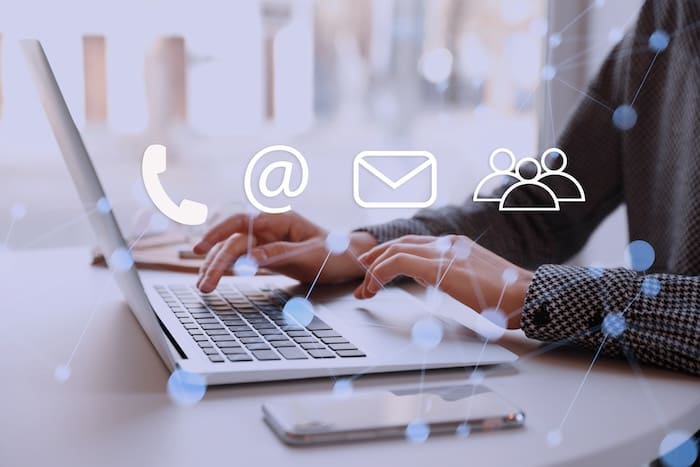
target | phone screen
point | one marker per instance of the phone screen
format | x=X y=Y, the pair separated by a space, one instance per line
x=371 y=414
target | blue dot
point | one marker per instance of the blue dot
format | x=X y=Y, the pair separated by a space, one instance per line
x=103 y=205
x=548 y=72
x=245 y=266
x=337 y=243
x=555 y=40
x=427 y=333
x=185 y=388
x=463 y=430
x=640 y=255
x=443 y=244
x=62 y=373
x=651 y=286
x=343 y=388
x=554 y=438
x=298 y=311
x=417 y=432
x=678 y=449
x=625 y=117
x=659 y=40
x=121 y=260
x=596 y=271
x=614 y=324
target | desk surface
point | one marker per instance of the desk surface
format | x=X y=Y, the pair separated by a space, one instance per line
x=114 y=410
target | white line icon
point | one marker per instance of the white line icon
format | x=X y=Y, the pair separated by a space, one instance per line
x=285 y=186
x=542 y=179
x=426 y=170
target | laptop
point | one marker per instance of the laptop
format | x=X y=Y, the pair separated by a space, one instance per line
x=239 y=332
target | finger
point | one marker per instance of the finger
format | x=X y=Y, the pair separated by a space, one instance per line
x=425 y=250
x=277 y=254
x=402 y=264
x=207 y=262
x=371 y=255
x=232 y=248
x=237 y=223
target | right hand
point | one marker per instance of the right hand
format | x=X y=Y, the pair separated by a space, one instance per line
x=286 y=244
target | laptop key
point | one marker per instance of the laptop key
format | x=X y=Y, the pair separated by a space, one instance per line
x=312 y=346
x=251 y=340
x=258 y=346
x=234 y=351
x=305 y=340
x=298 y=334
x=318 y=325
x=207 y=320
x=345 y=346
x=321 y=353
x=217 y=332
x=239 y=357
x=212 y=326
x=351 y=353
x=292 y=353
x=191 y=326
x=200 y=338
x=275 y=337
x=223 y=338
x=285 y=343
x=216 y=358
x=271 y=331
x=240 y=334
x=239 y=328
x=224 y=344
x=326 y=333
x=335 y=340
x=266 y=355
x=210 y=351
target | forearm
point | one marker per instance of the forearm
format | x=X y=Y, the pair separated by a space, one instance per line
x=588 y=308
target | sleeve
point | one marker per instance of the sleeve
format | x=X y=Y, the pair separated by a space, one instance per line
x=529 y=239
x=651 y=318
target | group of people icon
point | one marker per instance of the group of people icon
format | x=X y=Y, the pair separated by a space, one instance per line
x=529 y=185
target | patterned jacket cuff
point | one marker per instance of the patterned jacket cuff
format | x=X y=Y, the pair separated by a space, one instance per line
x=569 y=303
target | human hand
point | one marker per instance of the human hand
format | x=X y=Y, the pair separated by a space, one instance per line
x=287 y=243
x=456 y=265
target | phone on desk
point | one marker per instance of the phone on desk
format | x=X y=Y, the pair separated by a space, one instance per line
x=408 y=412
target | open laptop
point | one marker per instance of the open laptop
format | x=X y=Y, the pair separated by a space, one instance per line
x=238 y=333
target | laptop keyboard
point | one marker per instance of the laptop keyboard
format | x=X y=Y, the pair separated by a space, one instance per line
x=239 y=324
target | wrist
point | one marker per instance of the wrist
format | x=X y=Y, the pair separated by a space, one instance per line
x=517 y=296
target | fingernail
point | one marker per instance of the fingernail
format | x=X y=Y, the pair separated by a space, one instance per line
x=202 y=245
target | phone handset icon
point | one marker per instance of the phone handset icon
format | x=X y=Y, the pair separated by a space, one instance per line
x=188 y=212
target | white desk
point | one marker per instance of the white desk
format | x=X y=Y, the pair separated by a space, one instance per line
x=114 y=410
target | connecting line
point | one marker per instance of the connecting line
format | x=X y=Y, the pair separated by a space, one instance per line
x=644 y=80
x=9 y=231
x=578 y=17
x=251 y=219
x=548 y=97
x=323 y=265
x=586 y=95
x=580 y=387
x=60 y=227
x=137 y=239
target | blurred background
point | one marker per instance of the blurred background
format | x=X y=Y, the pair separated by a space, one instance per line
x=216 y=81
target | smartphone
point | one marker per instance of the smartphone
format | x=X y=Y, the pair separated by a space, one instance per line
x=405 y=412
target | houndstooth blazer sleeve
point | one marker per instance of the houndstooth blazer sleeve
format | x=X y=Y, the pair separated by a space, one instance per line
x=651 y=318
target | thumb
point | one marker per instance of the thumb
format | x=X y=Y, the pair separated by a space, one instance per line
x=281 y=253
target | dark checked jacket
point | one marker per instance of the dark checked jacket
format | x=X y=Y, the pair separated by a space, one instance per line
x=654 y=168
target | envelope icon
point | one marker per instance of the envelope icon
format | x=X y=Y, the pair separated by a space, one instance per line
x=414 y=187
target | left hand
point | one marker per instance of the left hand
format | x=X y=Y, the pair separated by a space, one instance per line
x=468 y=272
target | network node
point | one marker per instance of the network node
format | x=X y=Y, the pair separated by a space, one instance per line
x=463 y=430
x=121 y=260
x=555 y=40
x=417 y=432
x=427 y=333
x=245 y=266
x=337 y=243
x=62 y=373
x=616 y=35
x=599 y=3
x=436 y=65
x=496 y=326
x=659 y=40
x=509 y=276
x=442 y=245
x=678 y=448
x=476 y=377
x=298 y=311
x=554 y=438
x=548 y=72
x=462 y=248
x=596 y=271
x=18 y=211
x=639 y=255
x=625 y=117
x=185 y=388
x=614 y=324
x=343 y=388
x=103 y=205
x=651 y=286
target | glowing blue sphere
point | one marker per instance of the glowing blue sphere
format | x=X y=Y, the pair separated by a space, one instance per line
x=659 y=40
x=298 y=311
x=103 y=205
x=245 y=266
x=185 y=388
x=678 y=449
x=640 y=255
x=427 y=333
x=651 y=286
x=625 y=117
x=121 y=260
x=614 y=324
x=337 y=243
x=417 y=432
